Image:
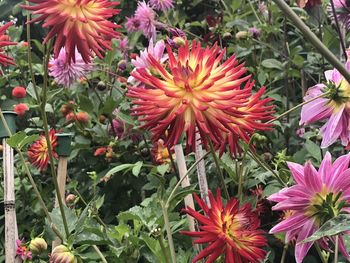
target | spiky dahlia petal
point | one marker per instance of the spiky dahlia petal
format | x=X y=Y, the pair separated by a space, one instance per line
x=315 y=194
x=230 y=230
x=191 y=91
x=77 y=24
x=5 y=41
x=66 y=73
x=38 y=152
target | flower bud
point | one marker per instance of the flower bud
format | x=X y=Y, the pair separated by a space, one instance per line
x=70 y=198
x=101 y=86
x=19 y=92
x=37 y=245
x=122 y=65
x=21 y=109
x=82 y=117
x=62 y=254
x=241 y=35
x=179 y=41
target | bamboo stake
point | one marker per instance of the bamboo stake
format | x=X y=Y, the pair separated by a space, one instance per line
x=61 y=178
x=181 y=164
x=202 y=176
x=11 y=232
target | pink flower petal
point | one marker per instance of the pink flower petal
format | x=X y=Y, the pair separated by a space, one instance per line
x=301 y=249
x=333 y=128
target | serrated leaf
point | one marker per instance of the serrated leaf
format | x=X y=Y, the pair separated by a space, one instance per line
x=16 y=138
x=332 y=227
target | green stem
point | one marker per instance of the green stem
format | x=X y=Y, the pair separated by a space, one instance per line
x=220 y=174
x=336 y=249
x=169 y=233
x=31 y=180
x=180 y=181
x=47 y=136
x=254 y=12
x=284 y=253
x=30 y=63
x=98 y=251
x=162 y=246
x=312 y=38
x=297 y=107
x=240 y=181
x=266 y=167
x=319 y=251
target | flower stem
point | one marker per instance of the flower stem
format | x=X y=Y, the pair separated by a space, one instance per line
x=30 y=64
x=31 y=180
x=47 y=136
x=312 y=38
x=183 y=178
x=298 y=106
x=284 y=253
x=98 y=251
x=319 y=251
x=220 y=174
x=342 y=44
x=162 y=246
x=169 y=233
x=336 y=249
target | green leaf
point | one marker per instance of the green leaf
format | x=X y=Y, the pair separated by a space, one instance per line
x=332 y=227
x=28 y=139
x=15 y=139
x=313 y=149
x=137 y=168
x=70 y=216
x=272 y=64
x=162 y=169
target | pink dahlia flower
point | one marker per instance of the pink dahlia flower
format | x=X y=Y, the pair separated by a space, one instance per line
x=147 y=18
x=143 y=61
x=318 y=196
x=334 y=108
x=65 y=72
x=342 y=11
x=162 y=5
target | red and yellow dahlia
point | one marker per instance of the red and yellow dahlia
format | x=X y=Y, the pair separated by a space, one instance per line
x=77 y=24
x=194 y=90
x=231 y=231
x=38 y=152
x=5 y=41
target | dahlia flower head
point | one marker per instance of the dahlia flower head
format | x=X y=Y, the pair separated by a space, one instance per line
x=143 y=20
x=22 y=250
x=142 y=61
x=310 y=200
x=334 y=108
x=230 y=231
x=38 y=152
x=162 y=5
x=193 y=90
x=77 y=24
x=5 y=41
x=308 y=3
x=342 y=11
x=66 y=73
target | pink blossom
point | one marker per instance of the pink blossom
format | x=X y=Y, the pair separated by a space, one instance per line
x=142 y=61
x=22 y=250
x=66 y=73
x=132 y=24
x=147 y=17
x=310 y=200
x=162 y=5
x=334 y=108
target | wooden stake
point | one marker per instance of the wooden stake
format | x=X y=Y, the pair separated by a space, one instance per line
x=181 y=164
x=202 y=176
x=11 y=232
x=61 y=178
